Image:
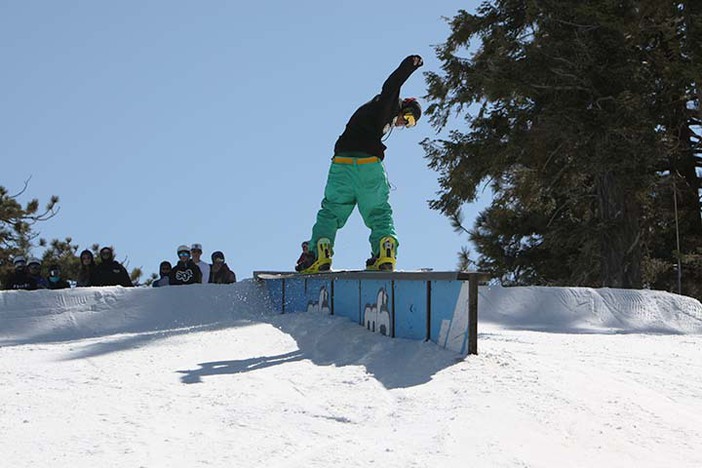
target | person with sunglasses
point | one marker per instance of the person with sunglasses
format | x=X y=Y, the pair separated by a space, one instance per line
x=54 y=280
x=196 y=253
x=34 y=271
x=185 y=271
x=109 y=272
x=220 y=272
x=357 y=176
x=20 y=279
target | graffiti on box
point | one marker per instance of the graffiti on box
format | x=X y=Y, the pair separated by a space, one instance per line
x=376 y=317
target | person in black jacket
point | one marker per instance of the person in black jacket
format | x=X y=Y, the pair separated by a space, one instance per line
x=20 y=278
x=357 y=176
x=220 y=272
x=109 y=272
x=55 y=280
x=185 y=271
x=87 y=266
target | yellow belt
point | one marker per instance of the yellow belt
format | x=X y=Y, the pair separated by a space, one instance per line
x=346 y=160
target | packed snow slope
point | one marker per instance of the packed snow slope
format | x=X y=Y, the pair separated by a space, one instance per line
x=208 y=375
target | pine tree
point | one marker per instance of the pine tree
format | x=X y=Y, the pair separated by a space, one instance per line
x=579 y=113
x=16 y=223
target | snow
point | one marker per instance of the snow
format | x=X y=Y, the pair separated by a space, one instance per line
x=207 y=375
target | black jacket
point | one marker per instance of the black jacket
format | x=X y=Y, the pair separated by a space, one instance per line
x=364 y=131
x=21 y=279
x=223 y=276
x=110 y=273
x=185 y=273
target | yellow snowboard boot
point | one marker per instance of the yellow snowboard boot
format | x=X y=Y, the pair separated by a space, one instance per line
x=387 y=258
x=323 y=261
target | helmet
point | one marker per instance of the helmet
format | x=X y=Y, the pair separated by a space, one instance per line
x=33 y=260
x=411 y=106
x=183 y=248
x=19 y=259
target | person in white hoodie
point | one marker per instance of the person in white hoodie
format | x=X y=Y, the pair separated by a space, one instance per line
x=196 y=252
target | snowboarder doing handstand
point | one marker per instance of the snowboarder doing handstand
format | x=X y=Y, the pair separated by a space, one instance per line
x=357 y=176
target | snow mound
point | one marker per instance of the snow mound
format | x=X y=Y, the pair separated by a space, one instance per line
x=48 y=316
x=583 y=310
x=51 y=316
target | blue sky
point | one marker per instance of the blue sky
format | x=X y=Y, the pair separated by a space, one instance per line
x=160 y=123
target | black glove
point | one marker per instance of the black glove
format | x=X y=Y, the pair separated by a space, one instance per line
x=416 y=60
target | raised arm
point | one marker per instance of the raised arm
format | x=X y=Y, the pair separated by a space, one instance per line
x=390 y=94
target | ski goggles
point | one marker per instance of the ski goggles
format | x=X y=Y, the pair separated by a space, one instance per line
x=184 y=254
x=410 y=121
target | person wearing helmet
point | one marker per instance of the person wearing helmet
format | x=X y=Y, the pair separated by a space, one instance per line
x=34 y=271
x=357 y=176
x=185 y=271
x=109 y=272
x=220 y=272
x=20 y=277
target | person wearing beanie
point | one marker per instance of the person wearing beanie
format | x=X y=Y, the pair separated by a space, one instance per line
x=185 y=271
x=55 y=280
x=110 y=272
x=357 y=176
x=220 y=272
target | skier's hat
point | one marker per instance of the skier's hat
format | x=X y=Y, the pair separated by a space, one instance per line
x=183 y=248
x=19 y=259
x=217 y=254
x=196 y=247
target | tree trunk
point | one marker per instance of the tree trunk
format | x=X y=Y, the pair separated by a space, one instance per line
x=620 y=244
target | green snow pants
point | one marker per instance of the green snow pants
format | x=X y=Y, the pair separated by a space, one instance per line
x=348 y=185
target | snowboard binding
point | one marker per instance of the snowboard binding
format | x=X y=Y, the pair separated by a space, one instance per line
x=387 y=257
x=323 y=260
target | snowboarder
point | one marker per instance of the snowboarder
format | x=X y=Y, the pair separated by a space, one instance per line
x=357 y=176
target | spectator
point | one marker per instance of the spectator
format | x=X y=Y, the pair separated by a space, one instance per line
x=34 y=270
x=164 y=270
x=54 y=280
x=220 y=272
x=20 y=278
x=109 y=272
x=196 y=252
x=303 y=257
x=87 y=269
x=185 y=271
